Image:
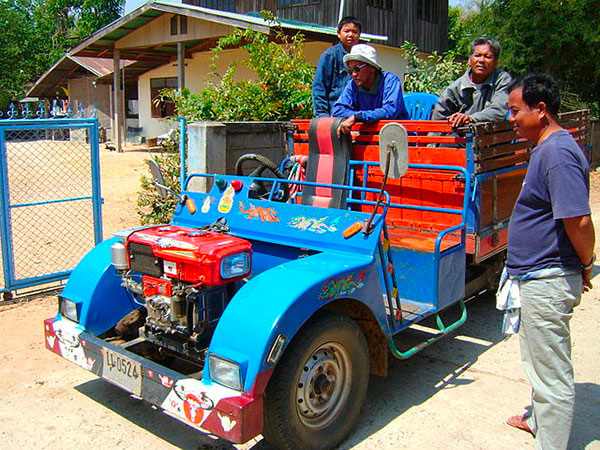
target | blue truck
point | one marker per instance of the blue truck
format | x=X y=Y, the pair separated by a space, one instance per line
x=266 y=303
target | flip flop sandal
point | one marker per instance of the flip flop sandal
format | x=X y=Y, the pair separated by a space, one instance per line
x=520 y=422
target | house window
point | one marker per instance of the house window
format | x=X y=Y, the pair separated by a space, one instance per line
x=131 y=100
x=183 y=23
x=162 y=108
x=174 y=26
x=285 y=3
x=383 y=4
x=428 y=10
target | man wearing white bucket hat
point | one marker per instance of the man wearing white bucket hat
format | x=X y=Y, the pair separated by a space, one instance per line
x=372 y=94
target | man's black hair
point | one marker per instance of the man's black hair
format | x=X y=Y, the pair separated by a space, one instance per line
x=349 y=19
x=538 y=87
x=483 y=40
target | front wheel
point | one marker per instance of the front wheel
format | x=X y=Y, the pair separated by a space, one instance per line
x=314 y=397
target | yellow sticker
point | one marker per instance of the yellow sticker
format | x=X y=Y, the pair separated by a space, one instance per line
x=226 y=200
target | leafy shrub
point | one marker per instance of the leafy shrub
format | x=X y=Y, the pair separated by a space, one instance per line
x=281 y=90
x=431 y=74
x=152 y=208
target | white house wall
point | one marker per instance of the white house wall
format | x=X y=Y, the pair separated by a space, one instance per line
x=197 y=74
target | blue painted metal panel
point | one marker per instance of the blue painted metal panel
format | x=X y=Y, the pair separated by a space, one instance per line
x=282 y=299
x=415 y=274
x=451 y=277
x=95 y=286
x=279 y=223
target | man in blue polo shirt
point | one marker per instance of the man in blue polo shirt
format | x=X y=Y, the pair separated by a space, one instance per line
x=371 y=94
x=330 y=74
x=550 y=257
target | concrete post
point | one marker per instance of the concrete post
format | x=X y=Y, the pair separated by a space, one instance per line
x=180 y=66
x=206 y=151
x=117 y=118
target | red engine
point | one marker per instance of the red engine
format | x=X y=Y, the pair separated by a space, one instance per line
x=184 y=278
x=202 y=258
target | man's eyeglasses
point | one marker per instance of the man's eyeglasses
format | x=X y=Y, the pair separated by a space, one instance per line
x=357 y=68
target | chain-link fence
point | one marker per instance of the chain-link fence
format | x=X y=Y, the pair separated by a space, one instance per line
x=50 y=198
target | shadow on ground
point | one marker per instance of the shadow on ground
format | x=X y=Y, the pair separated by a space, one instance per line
x=586 y=428
x=417 y=379
x=440 y=366
x=150 y=419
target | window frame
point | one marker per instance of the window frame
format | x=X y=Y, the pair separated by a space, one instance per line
x=163 y=109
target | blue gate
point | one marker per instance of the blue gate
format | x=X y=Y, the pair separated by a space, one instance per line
x=50 y=203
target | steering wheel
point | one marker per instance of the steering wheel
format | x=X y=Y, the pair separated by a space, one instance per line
x=258 y=187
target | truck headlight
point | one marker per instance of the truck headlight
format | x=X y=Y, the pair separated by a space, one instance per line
x=68 y=309
x=235 y=265
x=225 y=372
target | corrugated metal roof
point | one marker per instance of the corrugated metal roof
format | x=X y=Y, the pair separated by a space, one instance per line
x=68 y=66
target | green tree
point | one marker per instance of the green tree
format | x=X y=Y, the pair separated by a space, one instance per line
x=560 y=37
x=34 y=34
x=432 y=73
x=19 y=49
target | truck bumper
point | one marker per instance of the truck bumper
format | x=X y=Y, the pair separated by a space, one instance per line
x=204 y=405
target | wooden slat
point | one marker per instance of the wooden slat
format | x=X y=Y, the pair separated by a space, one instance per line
x=485 y=140
x=508 y=188
x=579 y=123
x=570 y=115
x=494 y=164
x=487 y=127
x=579 y=133
x=494 y=152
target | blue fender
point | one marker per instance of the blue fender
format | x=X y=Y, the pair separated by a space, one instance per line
x=95 y=286
x=280 y=300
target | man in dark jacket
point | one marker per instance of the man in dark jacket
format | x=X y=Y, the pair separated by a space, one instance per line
x=330 y=75
x=481 y=94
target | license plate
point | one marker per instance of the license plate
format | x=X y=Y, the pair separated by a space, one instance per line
x=122 y=371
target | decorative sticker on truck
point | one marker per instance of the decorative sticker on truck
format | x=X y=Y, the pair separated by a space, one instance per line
x=342 y=286
x=206 y=205
x=226 y=201
x=258 y=212
x=315 y=225
x=189 y=400
x=65 y=336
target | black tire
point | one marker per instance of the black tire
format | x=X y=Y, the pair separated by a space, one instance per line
x=314 y=397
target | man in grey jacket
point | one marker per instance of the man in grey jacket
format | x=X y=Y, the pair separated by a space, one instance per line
x=481 y=94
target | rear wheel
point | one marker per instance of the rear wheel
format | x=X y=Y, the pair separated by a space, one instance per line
x=314 y=398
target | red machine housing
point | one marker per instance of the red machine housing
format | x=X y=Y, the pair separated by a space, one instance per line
x=189 y=254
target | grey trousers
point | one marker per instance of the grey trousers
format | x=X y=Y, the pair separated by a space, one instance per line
x=546 y=309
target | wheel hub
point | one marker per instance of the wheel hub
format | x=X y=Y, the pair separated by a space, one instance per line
x=323 y=385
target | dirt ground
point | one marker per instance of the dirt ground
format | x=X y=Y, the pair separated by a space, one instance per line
x=453 y=395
